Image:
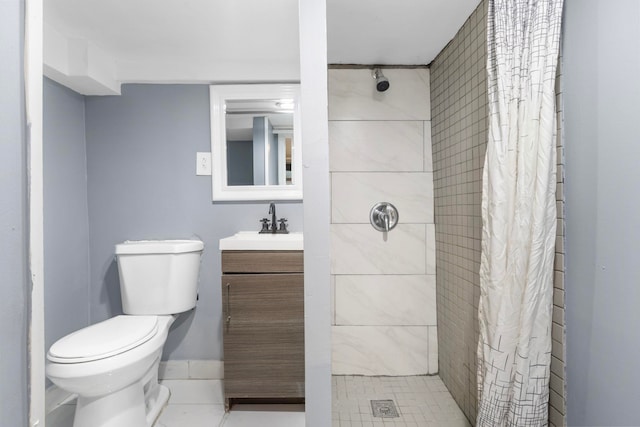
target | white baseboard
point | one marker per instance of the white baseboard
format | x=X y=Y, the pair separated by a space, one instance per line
x=191 y=369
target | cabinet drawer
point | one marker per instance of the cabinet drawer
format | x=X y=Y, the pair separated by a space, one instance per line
x=264 y=360
x=263 y=298
x=262 y=261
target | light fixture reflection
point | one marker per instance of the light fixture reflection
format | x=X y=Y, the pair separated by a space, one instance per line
x=286 y=104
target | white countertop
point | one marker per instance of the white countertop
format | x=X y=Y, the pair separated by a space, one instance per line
x=254 y=241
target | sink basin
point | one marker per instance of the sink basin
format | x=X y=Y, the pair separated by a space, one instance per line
x=254 y=241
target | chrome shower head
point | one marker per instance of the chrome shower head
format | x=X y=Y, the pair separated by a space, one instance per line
x=382 y=83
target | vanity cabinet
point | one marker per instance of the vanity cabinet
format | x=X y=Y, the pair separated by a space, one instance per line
x=263 y=325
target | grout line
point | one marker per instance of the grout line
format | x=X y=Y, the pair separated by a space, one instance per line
x=224 y=419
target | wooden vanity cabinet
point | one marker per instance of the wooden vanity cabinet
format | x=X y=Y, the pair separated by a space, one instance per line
x=263 y=325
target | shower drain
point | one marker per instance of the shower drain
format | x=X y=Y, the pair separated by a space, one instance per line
x=384 y=409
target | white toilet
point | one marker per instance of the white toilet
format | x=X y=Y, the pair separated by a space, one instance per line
x=113 y=365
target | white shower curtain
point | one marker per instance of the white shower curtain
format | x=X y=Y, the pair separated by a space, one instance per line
x=518 y=213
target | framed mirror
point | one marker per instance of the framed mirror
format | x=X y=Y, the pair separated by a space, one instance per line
x=256 y=148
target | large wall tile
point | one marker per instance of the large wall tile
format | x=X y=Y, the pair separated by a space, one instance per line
x=380 y=350
x=428 y=150
x=360 y=249
x=354 y=194
x=366 y=146
x=431 y=248
x=333 y=299
x=382 y=283
x=433 y=350
x=385 y=300
x=353 y=96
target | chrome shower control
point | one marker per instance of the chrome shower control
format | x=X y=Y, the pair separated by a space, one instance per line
x=383 y=216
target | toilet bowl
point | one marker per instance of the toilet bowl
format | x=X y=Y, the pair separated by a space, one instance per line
x=113 y=365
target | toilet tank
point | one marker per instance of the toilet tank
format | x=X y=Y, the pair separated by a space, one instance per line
x=158 y=276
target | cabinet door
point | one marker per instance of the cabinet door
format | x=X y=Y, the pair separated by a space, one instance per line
x=263 y=335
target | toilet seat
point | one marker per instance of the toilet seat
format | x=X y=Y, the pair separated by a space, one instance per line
x=105 y=339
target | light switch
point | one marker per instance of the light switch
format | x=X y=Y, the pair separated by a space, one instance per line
x=203 y=163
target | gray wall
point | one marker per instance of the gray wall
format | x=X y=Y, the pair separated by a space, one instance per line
x=141 y=150
x=13 y=220
x=272 y=140
x=259 y=141
x=240 y=162
x=601 y=93
x=66 y=224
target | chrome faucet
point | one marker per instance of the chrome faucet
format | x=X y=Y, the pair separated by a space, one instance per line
x=272 y=212
x=272 y=228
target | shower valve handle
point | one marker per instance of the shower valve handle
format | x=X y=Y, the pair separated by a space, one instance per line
x=383 y=216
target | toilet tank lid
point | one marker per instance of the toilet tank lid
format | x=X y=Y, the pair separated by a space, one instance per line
x=158 y=247
x=104 y=339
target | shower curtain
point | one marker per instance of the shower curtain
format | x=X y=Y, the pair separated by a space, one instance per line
x=518 y=214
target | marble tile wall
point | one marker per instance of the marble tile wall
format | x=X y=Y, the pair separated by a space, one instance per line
x=384 y=314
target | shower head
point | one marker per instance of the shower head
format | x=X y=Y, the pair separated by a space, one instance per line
x=382 y=83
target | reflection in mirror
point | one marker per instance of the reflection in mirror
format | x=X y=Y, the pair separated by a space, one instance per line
x=255 y=142
x=259 y=142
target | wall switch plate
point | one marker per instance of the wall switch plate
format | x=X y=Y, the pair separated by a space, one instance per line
x=203 y=163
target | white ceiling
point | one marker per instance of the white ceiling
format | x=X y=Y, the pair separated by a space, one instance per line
x=398 y=32
x=93 y=46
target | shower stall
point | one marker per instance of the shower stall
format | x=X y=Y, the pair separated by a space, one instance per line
x=384 y=318
x=406 y=303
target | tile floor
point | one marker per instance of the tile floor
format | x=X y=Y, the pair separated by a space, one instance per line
x=421 y=401
x=200 y=403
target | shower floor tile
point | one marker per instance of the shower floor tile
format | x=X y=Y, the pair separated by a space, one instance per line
x=421 y=401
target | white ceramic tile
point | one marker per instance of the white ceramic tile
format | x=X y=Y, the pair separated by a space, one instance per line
x=360 y=249
x=376 y=146
x=460 y=421
x=428 y=156
x=380 y=350
x=195 y=391
x=386 y=300
x=422 y=401
x=185 y=415
x=61 y=416
x=333 y=299
x=433 y=350
x=269 y=407
x=263 y=417
x=206 y=369
x=352 y=95
x=55 y=396
x=354 y=194
x=174 y=370
x=430 y=249
x=195 y=369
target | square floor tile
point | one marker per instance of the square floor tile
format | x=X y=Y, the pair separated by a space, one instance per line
x=61 y=416
x=265 y=416
x=208 y=392
x=185 y=415
x=422 y=401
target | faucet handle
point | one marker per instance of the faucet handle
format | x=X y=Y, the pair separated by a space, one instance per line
x=283 y=225
x=265 y=225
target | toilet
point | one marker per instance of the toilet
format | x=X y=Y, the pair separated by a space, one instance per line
x=113 y=365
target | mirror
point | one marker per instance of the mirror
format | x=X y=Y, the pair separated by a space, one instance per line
x=255 y=142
